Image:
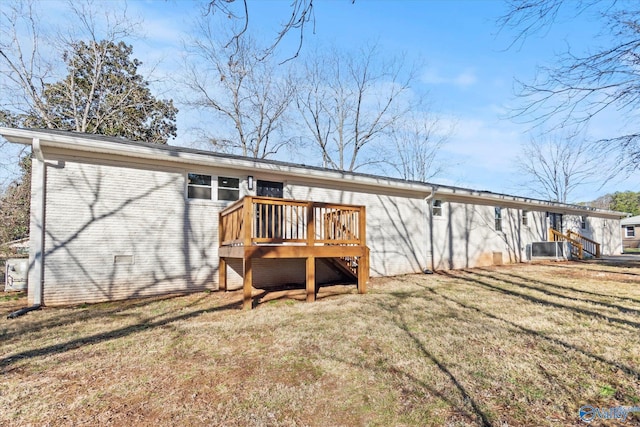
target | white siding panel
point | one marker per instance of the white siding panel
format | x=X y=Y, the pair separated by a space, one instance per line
x=116 y=231
x=97 y=212
x=606 y=232
x=465 y=235
x=395 y=225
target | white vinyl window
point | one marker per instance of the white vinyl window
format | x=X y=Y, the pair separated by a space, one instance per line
x=228 y=188
x=498 y=215
x=630 y=231
x=436 y=208
x=583 y=222
x=208 y=187
x=199 y=186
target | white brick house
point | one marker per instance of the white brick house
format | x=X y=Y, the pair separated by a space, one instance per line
x=114 y=219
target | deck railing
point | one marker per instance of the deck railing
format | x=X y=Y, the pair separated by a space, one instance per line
x=264 y=220
x=576 y=246
x=589 y=246
x=579 y=243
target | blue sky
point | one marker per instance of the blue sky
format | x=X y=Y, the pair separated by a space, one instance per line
x=467 y=69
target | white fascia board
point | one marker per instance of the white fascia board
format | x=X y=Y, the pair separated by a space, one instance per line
x=79 y=143
x=18 y=136
x=507 y=201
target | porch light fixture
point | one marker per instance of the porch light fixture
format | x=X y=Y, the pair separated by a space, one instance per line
x=250 y=182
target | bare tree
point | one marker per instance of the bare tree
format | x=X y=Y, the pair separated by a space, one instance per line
x=14 y=205
x=349 y=101
x=24 y=69
x=553 y=167
x=302 y=15
x=242 y=89
x=581 y=86
x=417 y=141
x=31 y=54
x=77 y=78
x=602 y=202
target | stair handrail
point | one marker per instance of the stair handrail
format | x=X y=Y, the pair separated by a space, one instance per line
x=589 y=243
x=555 y=236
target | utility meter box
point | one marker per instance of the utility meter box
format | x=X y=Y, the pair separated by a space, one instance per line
x=15 y=274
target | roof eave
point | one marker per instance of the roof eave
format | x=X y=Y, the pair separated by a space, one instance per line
x=151 y=152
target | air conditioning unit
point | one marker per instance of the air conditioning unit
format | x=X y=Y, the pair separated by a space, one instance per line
x=15 y=274
x=560 y=251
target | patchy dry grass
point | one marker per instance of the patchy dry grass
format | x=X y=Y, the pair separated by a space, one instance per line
x=516 y=345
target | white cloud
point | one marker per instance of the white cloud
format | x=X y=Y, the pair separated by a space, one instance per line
x=462 y=79
x=481 y=153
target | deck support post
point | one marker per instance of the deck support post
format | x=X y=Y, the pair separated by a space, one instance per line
x=247 y=284
x=311 y=279
x=272 y=228
x=363 y=262
x=222 y=275
x=363 y=271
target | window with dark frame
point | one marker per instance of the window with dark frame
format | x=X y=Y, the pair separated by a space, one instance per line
x=525 y=218
x=583 y=222
x=436 y=208
x=630 y=231
x=498 y=214
x=199 y=186
x=228 y=188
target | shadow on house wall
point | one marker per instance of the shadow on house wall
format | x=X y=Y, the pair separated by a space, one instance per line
x=106 y=238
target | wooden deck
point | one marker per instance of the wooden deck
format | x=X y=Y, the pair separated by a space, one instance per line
x=264 y=227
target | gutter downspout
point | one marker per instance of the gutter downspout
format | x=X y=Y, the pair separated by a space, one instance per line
x=37 y=225
x=429 y=222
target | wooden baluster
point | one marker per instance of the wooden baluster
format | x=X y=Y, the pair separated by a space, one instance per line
x=247 y=216
x=311 y=224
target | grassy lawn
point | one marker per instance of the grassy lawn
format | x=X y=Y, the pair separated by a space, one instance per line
x=515 y=345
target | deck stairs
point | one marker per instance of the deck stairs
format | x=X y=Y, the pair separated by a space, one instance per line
x=581 y=246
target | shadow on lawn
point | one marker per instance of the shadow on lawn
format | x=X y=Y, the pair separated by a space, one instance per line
x=465 y=275
x=567 y=288
x=521 y=282
x=626 y=369
x=402 y=324
x=474 y=414
x=117 y=333
x=78 y=313
x=121 y=308
x=573 y=265
x=297 y=292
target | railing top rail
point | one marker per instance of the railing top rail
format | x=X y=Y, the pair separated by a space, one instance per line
x=276 y=201
x=337 y=206
x=289 y=202
x=581 y=237
x=565 y=237
x=339 y=224
x=232 y=207
x=273 y=200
